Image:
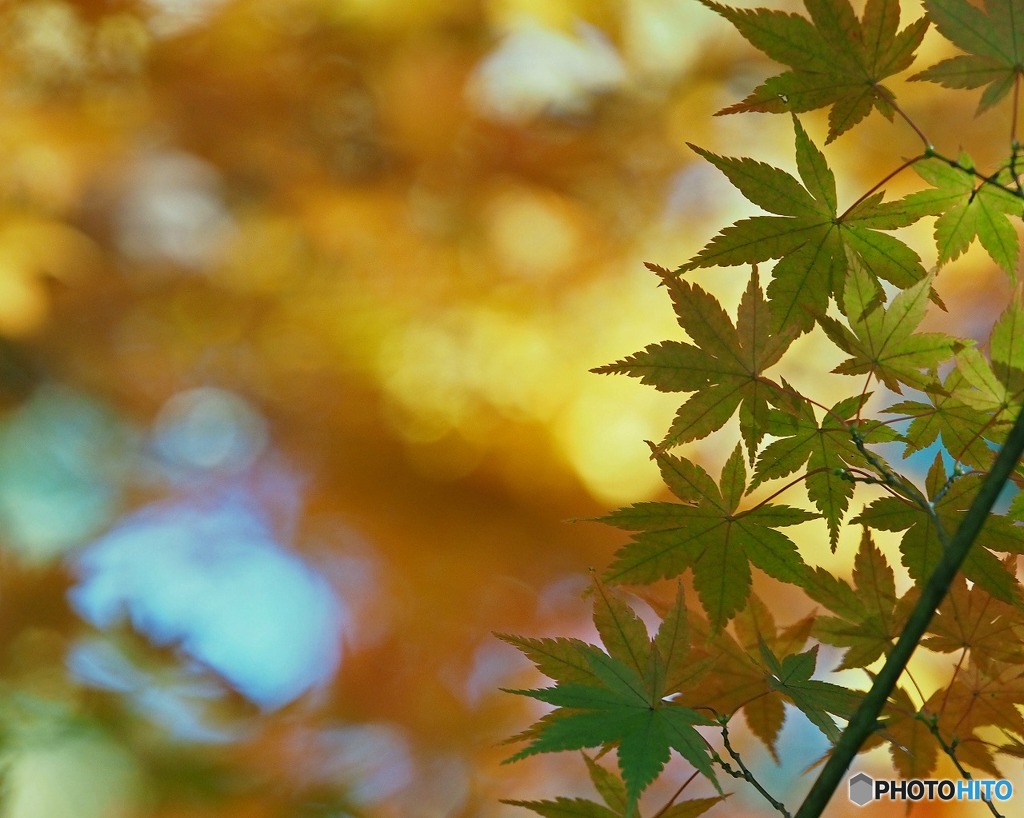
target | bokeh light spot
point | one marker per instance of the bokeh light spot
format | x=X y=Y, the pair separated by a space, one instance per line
x=211 y=429
x=212 y=580
x=537 y=70
x=62 y=458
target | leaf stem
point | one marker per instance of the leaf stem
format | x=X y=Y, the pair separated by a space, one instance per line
x=978 y=434
x=908 y=163
x=952 y=679
x=917 y=687
x=676 y=794
x=865 y=719
x=1013 y=123
x=891 y=99
x=785 y=387
x=785 y=488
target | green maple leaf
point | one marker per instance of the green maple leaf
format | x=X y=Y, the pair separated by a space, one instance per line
x=869 y=615
x=998 y=391
x=969 y=208
x=738 y=680
x=613 y=792
x=610 y=786
x=922 y=545
x=881 y=340
x=724 y=366
x=623 y=701
x=584 y=808
x=835 y=59
x=826 y=447
x=1016 y=509
x=708 y=534
x=993 y=40
x=814 y=698
x=808 y=236
x=566 y=808
x=978 y=400
x=949 y=418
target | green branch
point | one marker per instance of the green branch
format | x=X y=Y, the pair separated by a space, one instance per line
x=865 y=719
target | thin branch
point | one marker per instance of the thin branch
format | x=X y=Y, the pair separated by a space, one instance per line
x=908 y=490
x=743 y=773
x=865 y=719
x=956 y=475
x=977 y=174
x=861 y=476
x=950 y=750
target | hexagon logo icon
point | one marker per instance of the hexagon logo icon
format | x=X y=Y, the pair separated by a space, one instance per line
x=862 y=789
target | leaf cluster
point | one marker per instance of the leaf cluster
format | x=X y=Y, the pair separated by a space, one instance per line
x=840 y=272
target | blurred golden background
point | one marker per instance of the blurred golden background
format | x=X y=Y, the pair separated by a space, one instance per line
x=298 y=300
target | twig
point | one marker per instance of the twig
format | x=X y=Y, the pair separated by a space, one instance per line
x=743 y=773
x=950 y=750
x=908 y=490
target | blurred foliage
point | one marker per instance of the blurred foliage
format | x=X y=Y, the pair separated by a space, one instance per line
x=339 y=268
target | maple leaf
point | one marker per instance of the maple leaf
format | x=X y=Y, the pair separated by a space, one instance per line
x=826 y=447
x=978 y=400
x=972 y=619
x=738 y=679
x=998 y=386
x=1016 y=509
x=706 y=533
x=993 y=38
x=913 y=748
x=724 y=369
x=616 y=801
x=814 y=698
x=608 y=785
x=979 y=697
x=967 y=208
x=566 y=808
x=881 y=340
x=921 y=546
x=835 y=59
x=623 y=702
x=808 y=236
x=869 y=616
x=947 y=417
